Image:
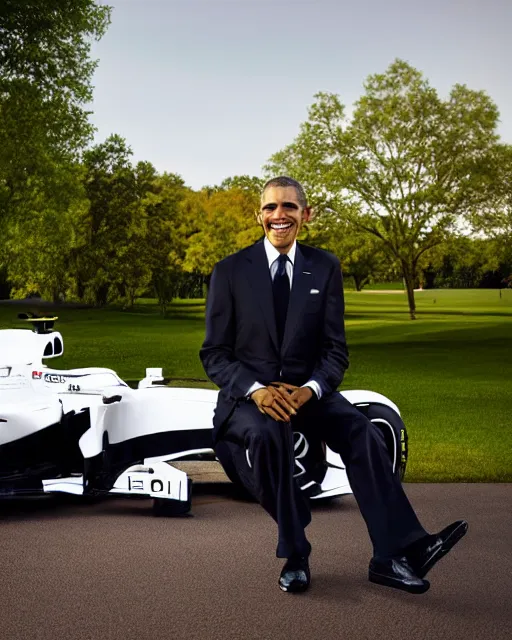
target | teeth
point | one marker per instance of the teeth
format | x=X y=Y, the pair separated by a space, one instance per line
x=284 y=225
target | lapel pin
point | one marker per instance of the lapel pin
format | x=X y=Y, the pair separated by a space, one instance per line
x=308 y=273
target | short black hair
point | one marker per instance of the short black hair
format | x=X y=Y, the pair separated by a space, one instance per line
x=285 y=181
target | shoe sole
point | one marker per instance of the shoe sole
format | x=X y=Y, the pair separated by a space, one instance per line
x=449 y=543
x=385 y=581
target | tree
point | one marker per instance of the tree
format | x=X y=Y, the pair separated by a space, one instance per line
x=38 y=246
x=110 y=260
x=460 y=262
x=168 y=227
x=132 y=236
x=45 y=83
x=491 y=219
x=494 y=217
x=405 y=168
x=250 y=184
x=226 y=222
x=361 y=254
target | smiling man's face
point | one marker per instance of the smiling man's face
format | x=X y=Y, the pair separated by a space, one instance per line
x=281 y=216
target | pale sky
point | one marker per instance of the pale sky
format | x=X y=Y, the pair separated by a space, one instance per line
x=212 y=88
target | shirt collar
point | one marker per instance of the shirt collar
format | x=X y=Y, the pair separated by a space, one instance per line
x=273 y=254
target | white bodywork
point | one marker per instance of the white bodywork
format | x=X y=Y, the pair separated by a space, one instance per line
x=33 y=396
x=158 y=480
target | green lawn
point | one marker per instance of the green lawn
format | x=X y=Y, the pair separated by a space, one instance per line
x=450 y=371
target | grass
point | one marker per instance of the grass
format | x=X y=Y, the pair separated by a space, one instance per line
x=349 y=284
x=450 y=371
x=386 y=286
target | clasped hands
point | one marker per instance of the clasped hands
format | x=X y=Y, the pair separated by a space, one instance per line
x=281 y=400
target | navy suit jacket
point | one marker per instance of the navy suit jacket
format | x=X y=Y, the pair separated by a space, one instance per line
x=241 y=345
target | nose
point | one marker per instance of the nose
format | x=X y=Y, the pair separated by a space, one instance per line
x=278 y=212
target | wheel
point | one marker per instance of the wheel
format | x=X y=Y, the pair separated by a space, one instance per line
x=394 y=431
x=164 y=508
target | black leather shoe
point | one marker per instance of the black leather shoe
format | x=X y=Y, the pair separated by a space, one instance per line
x=396 y=573
x=295 y=576
x=423 y=554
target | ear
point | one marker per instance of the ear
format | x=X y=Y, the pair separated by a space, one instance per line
x=307 y=214
x=259 y=217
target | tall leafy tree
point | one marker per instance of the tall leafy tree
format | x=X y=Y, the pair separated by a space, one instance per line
x=404 y=168
x=133 y=235
x=109 y=261
x=37 y=247
x=494 y=216
x=169 y=221
x=45 y=85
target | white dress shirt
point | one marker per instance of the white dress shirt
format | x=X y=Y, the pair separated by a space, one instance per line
x=272 y=256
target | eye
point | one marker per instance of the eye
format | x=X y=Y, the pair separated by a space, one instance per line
x=270 y=207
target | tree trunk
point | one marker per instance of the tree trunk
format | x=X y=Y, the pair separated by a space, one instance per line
x=408 y=274
x=130 y=296
x=101 y=295
x=360 y=281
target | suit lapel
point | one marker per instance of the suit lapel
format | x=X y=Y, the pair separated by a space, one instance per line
x=261 y=285
x=301 y=287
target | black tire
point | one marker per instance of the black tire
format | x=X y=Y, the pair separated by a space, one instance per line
x=164 y=508
x=394 y=431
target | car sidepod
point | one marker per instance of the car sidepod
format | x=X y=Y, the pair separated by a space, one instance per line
x=36 y=442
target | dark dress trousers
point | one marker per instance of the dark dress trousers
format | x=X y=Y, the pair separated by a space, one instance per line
x=241 y=347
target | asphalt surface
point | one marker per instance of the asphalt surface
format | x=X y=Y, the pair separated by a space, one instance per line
x=112 y=571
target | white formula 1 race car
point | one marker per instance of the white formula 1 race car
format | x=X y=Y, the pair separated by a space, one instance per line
x=86 y=432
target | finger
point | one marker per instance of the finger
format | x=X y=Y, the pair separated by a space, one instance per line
x=280 y=399
x=285 y=415
x=287 y=385
x=273 y=414
x=284 y=385
x=289 y=407
x=284 y=392
x=277 y=406
x=281 y=392
x=283 y=402
x=287 y=400
x=297 y=399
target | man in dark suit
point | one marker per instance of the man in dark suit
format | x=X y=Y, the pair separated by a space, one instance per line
x=275 y=346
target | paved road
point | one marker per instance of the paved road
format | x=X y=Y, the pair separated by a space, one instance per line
x=111 y=571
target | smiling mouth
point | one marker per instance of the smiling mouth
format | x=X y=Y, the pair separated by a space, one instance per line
x=280 y=226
